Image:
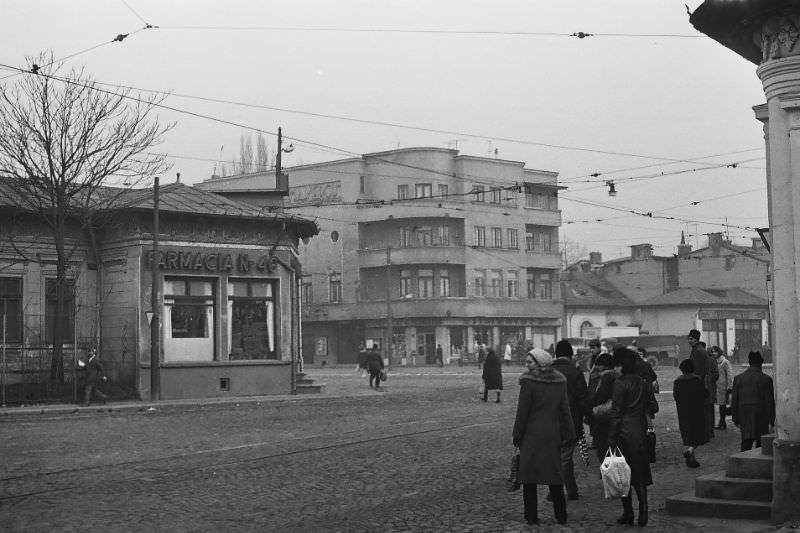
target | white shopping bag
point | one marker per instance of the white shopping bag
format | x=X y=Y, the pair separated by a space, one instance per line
x=616 y=474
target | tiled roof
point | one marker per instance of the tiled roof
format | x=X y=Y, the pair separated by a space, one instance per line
x=697 y=296
x=587 y=289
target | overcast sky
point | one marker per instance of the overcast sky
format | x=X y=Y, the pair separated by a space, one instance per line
x=645 y=91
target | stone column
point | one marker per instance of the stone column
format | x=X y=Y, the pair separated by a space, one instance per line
x=781 y=79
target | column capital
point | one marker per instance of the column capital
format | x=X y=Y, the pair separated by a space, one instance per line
x=780 y=77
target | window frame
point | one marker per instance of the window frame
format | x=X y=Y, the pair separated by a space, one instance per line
x=403 y=191
x=8 y=294
x=335 y=287
x=423 y=190
x=51 y=304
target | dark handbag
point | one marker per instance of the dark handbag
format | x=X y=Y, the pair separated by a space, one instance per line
x=513 y=473
x=651 y=446
x=383 y=375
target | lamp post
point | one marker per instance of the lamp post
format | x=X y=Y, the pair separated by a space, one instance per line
x=155 y=356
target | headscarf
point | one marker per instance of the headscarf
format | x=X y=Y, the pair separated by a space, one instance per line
x=542 y=358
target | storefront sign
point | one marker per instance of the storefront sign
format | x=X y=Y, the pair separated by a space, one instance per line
x=212 y=262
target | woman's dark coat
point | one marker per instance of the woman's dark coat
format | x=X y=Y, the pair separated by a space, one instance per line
x=492 y=372
x=690 y=395
x=601 y=386
x=631 y=400
x=374 y=361
x=753 y=403
x=543 y=424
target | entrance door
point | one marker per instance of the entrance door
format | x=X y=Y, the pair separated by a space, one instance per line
x=426 y=345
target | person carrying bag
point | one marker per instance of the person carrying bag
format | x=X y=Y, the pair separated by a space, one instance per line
x=616 y=474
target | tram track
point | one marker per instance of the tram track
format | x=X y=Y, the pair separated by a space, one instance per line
x=149 y=469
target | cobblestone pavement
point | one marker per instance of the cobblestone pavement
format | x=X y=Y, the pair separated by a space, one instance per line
x=424 y=454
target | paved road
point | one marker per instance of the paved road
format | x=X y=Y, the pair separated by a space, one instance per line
x=422 y=455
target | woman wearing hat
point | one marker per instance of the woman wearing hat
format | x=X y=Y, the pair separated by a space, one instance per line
x=542 y=426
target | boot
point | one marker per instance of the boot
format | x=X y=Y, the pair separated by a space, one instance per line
x=627 y=511
x=559 y=503
x=641 y=495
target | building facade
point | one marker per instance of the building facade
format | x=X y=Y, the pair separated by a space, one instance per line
x=227 y=293
x=437 y=247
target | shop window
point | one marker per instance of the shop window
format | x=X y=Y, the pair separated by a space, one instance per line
x=11 y=310
x=188 y=319
x=252 y=319
x=65 y=320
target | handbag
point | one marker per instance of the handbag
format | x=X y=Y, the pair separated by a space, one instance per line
x=602 y=412
x=383 y=375
x=616 y=474
x=512 y=483
x=651 y=445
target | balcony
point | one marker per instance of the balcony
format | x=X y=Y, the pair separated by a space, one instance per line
x=450 y=307
x=455 y=255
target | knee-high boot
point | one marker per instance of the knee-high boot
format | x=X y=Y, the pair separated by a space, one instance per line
x=641 y=495
x=627 y=510
x=531 y=503
x=559 y=503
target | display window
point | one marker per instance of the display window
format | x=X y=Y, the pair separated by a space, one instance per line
x=188 y=319
x=252 y=322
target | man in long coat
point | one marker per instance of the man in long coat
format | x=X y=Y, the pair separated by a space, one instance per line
x=705 y=367
x=753 y=402
x=542 y=426
x=492 y=375
x=576 y=392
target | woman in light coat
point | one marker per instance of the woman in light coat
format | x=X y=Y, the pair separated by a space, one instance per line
x=542 y=426
x=724 y=384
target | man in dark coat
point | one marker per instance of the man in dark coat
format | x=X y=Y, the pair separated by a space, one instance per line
x=576 y=393
x=705 y=367
x=492 y=376
x=690 y=395
x=543 y=424
x=753 y=402
x=374 y=367
x=94 y=373
x=439 y=355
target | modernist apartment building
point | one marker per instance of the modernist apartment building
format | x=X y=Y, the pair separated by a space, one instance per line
x=449 y=249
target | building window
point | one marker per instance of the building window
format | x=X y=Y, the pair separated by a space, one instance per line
x=252 y=319
x=540 y=284
x=405 y=238
x=405 y=284
x=335 y=287
x=402 y=192
x=423 y=190
x=513 y=240
x=362 y=185
x=512 y=284
x=480 y=193
x=497 y=195
x=11 y=309
x=497 y=237
x=425 y=283
x=306 y=289
x=748 y=335
x=444 y=283
x=584 y=326
x=443 y=191
x=444 y=235
x=495 y=283
x=612 y=324
x=479 y=282
x=539 y=238
x=480 y=236
x=189 y=319
x=321 y=346
x=67 y=319
x=424 y=235
x=539 y=198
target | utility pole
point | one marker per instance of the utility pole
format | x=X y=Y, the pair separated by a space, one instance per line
x=281 y=179
x=389 y=319
x=155 y=330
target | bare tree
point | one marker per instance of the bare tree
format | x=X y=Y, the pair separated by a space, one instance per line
x=63 y=142
x=262 y=153
x=572 y=251
x=245 y=154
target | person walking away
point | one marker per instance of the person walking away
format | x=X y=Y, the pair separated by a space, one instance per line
x=576 y=394
x=543 y=424
x=94 y=373
x=724 y=384
x=492 y=376
x=507 y=354
x=481 y=355
x=362 y=359
x=439 y=355
x=706 y=369
x=632 y=398
x=601 y=385
x=374 y=367
x=689 y=394
x=753 y=402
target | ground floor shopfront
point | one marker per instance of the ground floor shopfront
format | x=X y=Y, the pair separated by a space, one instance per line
x=415 y=341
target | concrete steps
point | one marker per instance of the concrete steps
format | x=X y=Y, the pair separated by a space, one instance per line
x=306 y=385
x=742 y=490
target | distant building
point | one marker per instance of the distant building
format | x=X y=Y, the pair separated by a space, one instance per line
x=452 y=249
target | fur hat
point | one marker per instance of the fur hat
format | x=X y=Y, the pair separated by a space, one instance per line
x=542 y=358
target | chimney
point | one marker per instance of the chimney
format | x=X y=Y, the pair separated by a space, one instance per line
x=596 y=258
x=641 y=251
x=758 y=244
x=715 y=242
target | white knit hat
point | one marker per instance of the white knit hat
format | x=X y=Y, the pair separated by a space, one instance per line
x=542 y=358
